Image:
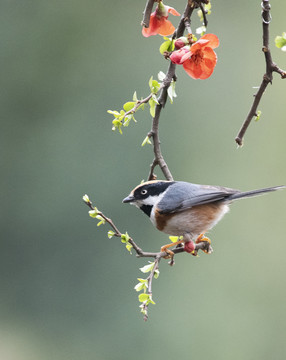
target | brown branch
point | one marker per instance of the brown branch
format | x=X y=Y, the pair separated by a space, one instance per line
x=190 y=7
x=140 y=253
x=171 y=75
x=147 y=13
x=150 y=282
x=136 y=106
x=204 y=14
x=158 y=160
x=138 y=250
x=267 y=77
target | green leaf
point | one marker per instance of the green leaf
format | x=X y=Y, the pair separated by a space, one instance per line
x=154 y=97
x=102 y=221
x=134 y=98
x=139 y=287
x=207 y=8
x=110 y=234
x=125 y=238
x=146 y=141
x=129 y=105
x=129 y=247
x=85 y=198
x=117 y=125
x=174 y=238
x=152 y=104
x=156 y=274
x=258 y=115
x=114 y=113
x=143 y=297
x=168 y=45
x=127 y=120
x=93 y=213
x=142 y=285
x=154 y=85
x=146 y=298
x=148 y=268
x=142 y=280
x=280 y=41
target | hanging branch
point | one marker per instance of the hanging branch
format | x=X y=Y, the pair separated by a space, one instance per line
x=158 y=96
x=139 y=252
x=171 y=75
x=131 y=244
x=267 y=77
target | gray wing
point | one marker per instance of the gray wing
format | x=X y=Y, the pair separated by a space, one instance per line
x=182 y=195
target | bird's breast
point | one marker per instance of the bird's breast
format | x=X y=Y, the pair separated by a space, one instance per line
x=195 y=220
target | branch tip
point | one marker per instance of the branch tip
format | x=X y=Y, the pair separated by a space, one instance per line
x=267 y=77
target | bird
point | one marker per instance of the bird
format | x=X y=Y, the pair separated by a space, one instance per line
x=186 y=210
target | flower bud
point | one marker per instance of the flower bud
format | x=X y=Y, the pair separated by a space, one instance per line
x=180 y=42
x=176 y=56
x=189 y=246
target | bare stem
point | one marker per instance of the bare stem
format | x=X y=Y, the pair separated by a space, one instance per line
x=267 y=77
x=204 y=14
x=147 y=13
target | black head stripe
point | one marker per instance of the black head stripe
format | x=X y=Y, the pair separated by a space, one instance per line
x=153 y=189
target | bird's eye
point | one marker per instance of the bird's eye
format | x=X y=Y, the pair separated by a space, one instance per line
x=143 y=192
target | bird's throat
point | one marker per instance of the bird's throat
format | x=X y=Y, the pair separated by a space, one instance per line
x=146 y=209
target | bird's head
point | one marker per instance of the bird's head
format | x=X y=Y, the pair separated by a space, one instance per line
x=147 y=194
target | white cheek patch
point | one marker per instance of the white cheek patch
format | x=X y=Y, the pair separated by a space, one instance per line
x=151 y=200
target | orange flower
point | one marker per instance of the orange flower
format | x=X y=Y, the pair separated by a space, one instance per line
x=159 y=23
x=201 y=60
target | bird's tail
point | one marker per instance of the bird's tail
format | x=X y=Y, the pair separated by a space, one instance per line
x=247 y=194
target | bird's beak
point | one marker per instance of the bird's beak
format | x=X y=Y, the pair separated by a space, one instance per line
x=128 y=199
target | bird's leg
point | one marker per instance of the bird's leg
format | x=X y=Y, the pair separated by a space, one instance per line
x=203 y=238
x=170 y=253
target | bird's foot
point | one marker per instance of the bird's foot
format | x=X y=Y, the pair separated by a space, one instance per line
x=207 y=242
x=170 y=253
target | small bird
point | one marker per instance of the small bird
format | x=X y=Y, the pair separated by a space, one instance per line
x=184 y=209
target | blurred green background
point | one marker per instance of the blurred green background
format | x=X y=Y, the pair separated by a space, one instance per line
x=66 y=289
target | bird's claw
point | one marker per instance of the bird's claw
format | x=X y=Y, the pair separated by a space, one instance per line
x=201 y=238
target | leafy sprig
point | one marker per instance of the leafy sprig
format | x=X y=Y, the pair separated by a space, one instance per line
x=123 y=117
x=145 y=285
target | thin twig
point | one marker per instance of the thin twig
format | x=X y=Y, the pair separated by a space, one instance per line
x=149 y=289
x=140 y=253
x=136 y=106
x=204 y=14
x=138 y=250
x=267 y=77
